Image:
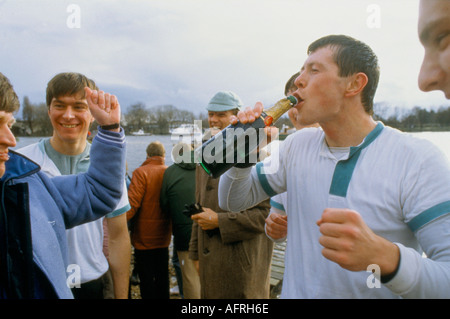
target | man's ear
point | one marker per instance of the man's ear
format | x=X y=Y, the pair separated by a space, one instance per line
x=356 y=83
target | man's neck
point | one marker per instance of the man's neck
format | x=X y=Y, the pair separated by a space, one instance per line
x=66 y=148
x=348 y=131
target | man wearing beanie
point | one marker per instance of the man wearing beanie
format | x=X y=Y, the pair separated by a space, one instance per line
x=232 y=250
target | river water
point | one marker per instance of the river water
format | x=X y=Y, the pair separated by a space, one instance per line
x=136 y=145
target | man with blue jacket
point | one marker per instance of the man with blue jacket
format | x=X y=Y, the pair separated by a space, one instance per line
x=36 y=210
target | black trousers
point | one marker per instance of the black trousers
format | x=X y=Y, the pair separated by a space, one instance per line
x=152 y=266
x=89 y=290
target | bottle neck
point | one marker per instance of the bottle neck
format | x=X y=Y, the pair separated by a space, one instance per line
x=275 y=112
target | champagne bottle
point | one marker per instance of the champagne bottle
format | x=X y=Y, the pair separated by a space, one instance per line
x=236 y=145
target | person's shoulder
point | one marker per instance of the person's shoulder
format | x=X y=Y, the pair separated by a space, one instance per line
x=138 y=171
x=410 y=147
x=305 y=138
x=306 y=133
x=31 y=149
x=406 y=141
x=173 y=168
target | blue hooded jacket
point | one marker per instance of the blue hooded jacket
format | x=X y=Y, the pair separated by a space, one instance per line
x=35 y=211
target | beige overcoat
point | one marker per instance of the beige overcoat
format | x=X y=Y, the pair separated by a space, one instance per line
x=235 y=261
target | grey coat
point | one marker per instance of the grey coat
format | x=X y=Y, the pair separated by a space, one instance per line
x=235 y=261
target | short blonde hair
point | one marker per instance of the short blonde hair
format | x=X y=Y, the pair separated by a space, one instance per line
x=156 y=149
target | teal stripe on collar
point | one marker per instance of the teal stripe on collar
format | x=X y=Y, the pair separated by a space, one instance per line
x=344 y=169
x=369 y=139
x=263 y=180
x=429 y=215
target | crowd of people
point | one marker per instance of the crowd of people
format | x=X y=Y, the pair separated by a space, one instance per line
x=349 y=193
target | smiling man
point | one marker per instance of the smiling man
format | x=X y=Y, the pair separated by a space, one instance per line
x=360 y=194
x=71 y=120
x=35 y=210
x=67 y=152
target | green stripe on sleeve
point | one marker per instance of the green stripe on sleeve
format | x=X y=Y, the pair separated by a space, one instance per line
x=263 y=180
x=429 y=215
x=277 y=205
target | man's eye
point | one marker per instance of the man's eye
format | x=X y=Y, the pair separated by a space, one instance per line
x=443 y=40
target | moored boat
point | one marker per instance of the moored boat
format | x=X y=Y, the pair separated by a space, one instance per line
x=187 y=133
x=140 y=133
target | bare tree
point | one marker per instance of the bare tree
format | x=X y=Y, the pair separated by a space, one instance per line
x=137 y=116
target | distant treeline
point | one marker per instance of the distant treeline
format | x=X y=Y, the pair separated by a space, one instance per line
x=415 y=119
x=162 y=118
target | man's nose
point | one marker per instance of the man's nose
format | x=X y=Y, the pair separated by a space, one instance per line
x=7 y=138
x=300 y=81
x=68 y=114
x=430 y=75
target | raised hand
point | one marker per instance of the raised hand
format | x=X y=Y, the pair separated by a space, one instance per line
x=104 y=107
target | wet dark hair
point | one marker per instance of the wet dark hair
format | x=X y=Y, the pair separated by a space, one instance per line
x=9 y=102
x=67 y=83
x=353 y=56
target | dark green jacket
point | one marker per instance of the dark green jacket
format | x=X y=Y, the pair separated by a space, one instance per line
x=178 y=190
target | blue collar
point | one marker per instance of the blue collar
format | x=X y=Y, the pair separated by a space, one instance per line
x=18 y=166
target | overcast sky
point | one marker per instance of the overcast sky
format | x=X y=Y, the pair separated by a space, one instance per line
x=182 y=52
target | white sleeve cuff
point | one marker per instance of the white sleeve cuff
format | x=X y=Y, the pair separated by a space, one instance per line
x=408 y=272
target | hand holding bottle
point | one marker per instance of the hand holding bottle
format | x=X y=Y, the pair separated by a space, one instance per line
x=249 y=115
x=238 y=143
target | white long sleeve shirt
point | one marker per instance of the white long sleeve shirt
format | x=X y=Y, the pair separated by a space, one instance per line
x=399 y=184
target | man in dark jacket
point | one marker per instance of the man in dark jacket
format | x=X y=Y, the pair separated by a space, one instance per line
x=178 y=190
x=35 y=210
